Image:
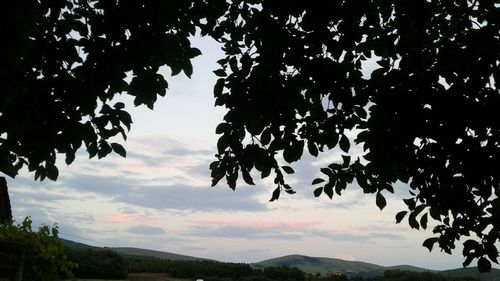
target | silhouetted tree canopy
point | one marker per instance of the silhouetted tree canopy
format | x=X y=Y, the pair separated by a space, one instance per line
x=294 y=80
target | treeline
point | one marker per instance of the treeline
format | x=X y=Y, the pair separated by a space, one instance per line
x=106 y=264
x=213 y=270
x=394 y=275
x=97 y=264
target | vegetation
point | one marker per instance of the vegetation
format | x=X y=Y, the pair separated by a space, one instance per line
x=293 y=81
x=41 y=253
x=395 y=275
x=158 y=265
x=101 y=264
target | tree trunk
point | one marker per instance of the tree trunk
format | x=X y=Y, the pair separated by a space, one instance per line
x=5 y=210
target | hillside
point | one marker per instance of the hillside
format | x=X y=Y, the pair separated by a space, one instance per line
x=494 y=275
x=307 y=264
x=350 y=268
x=128 y=251
x=151 y=253
x=323 y=265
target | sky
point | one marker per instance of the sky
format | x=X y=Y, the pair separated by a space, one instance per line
x=159 y=196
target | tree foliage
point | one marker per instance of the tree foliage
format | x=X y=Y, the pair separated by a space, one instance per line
x=293 y=80
x=94 y=264
x=44 y=259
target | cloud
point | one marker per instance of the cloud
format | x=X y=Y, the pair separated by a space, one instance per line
x=388 y=236
x=184 y=197
x=146 y=230
x=243 y=232
x=268 y=230
x=157 y=196
x=342 y=236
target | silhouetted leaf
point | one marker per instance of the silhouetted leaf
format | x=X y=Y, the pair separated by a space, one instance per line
x=317 y=180
x=429 y=243
x=344 y=143
x=380 y=200
x=246 y=177
x=276 y=194
x=52 y=172
x=400 y=216
x=318 y=191
x=288 y=169
x=118 y=148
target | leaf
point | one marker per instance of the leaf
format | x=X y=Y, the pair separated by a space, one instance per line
x=219 y=87
x=70 y=157
x=412 y=221
x=429 y=243
x=347 y=160
x=468 y=260
x=328 y=190
x=423 y=221
x=313 y=149
x=222 y=143
x=380 y=201
x=216 y=178
x=220 y=73
x=326 y=171
x=492 y=252
x=344 y=143
x=340 y=186
x=188 y=68
x=221 y=128
x=276 y=194
x=400 y=216
x=118 y=148
x=410 y=202
x=265 y=137
x=289 y=170
x=293 y=152
x=318 y=191
x=119 y=105
x=317 y=180
x=52 y=172
x=247 y=177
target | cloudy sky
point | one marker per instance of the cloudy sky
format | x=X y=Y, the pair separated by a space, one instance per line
x=160 y=198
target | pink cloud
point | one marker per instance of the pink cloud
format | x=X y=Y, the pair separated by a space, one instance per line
x=122 y=218
x=346 y=257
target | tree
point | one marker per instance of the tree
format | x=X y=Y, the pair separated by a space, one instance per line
x=293 y=81
x=42 y=252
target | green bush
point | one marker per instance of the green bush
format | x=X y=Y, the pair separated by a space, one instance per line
x=42 y=251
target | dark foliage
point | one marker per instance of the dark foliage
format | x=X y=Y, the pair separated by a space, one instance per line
x=96 y=264
x=212 y=270
x=293 y=81
x=395 y=275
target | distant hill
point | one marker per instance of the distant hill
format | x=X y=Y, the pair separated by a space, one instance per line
x=79 y=246
x=307 y=264
x=324 y=265
x=127 y=251
x=151 y=253
x=494 y=275
x=351 y=268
